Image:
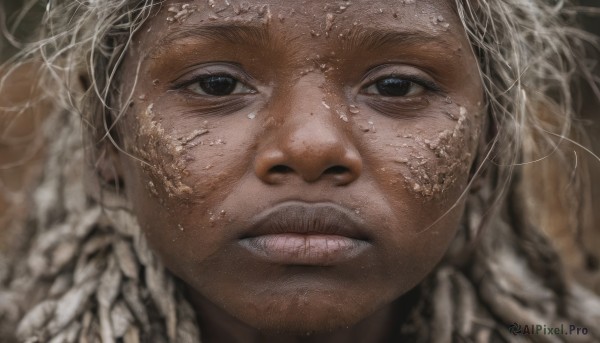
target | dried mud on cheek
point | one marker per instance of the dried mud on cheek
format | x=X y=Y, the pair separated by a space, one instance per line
x=435 y=164
x=165 y=160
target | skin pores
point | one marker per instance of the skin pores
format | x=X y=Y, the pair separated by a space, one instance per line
x=367 y=112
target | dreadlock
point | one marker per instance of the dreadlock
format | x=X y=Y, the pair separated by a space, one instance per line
x=84 y=272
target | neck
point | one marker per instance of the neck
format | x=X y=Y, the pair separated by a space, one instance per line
x=218 y=326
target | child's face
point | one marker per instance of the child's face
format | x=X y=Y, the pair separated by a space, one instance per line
x=302 y=152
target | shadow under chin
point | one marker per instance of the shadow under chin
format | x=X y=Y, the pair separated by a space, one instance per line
x=306 y=323
x=326 y=322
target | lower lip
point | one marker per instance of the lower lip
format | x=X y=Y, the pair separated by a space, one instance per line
x=298 y=249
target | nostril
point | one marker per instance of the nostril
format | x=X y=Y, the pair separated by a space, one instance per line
x=336 y=170
x=280 y=169
x=341 y=174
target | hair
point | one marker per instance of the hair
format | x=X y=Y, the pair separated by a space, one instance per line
x=83 y=271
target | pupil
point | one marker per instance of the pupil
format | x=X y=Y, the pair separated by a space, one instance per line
x=393 y=87
x=218 y=85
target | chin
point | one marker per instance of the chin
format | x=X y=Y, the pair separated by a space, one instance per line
x=302 y=314
x=302 y=324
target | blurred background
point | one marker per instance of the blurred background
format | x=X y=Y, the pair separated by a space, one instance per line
x=20 y=150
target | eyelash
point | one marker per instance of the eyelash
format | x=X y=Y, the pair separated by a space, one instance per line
x=197 y=79
x=426 y=84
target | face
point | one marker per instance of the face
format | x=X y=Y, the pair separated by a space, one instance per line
x=303 y=162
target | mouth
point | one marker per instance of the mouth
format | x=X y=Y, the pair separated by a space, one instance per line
x=297 y=233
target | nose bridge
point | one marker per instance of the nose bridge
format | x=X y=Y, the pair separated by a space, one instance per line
x=309 y=143
x=309 y=113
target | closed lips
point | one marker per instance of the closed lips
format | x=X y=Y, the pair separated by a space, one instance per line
x=296 y=233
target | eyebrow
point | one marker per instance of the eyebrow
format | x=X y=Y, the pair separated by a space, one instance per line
x=234 y=34
x=357 y=38
x=368 y=38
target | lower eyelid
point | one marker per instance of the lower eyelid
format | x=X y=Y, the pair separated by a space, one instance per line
x=398 y=106
x=210 y=108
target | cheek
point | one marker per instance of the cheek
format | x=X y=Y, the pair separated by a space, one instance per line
x=160 y=155
x=177 y=176
x=184 y=162
x=433 y=162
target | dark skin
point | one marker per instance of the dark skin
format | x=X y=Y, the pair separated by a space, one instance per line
x=350 y=128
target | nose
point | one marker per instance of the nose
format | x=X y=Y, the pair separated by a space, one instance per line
x=311 y=148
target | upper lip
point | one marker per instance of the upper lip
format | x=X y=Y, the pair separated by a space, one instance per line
x=307 y=218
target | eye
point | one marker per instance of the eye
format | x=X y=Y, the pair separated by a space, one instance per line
x=219 y=85
x=394 y=87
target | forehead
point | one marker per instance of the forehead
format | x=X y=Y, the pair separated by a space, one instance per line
x=313 y=20
x=282 y=9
